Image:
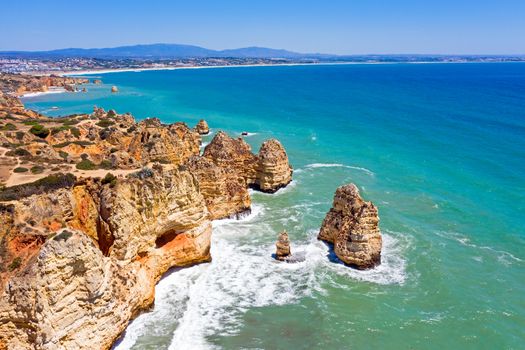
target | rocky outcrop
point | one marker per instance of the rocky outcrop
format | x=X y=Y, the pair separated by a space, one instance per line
x=268 y=171
x=20 y=83
x=79 y=262
x=202 y=127
x=151 y=141
x=114 y=89
x=274 y=171
x=282 y=247
x=225 y=193
x=234 y=154
x=352 y=225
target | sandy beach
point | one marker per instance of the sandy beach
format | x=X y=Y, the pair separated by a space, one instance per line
x=52 y=90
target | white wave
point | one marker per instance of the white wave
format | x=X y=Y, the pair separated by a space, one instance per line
x=502 y=255
x=171 y=295
x=195 y=303
x=338 y=165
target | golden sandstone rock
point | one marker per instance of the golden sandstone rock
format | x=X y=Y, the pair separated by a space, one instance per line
x=80 y=256
x=88 y=256
x=282 y=247
x=268 y=171
x=352 y=225
x=202 y=127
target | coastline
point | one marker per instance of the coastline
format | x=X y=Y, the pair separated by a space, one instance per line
x=52 y=90
x=137 y=70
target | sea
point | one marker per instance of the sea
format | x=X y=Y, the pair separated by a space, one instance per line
x=439 y=149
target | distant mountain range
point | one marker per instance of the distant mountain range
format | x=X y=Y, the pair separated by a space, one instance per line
x=164 y=51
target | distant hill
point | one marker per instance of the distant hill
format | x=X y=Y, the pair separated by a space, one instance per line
x=159 y=51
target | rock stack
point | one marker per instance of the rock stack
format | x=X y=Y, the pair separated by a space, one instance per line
x=268 y=171
x=283 y=247
x=202 y=127
x=114 y=89
x=273 y=170
x=352 y=225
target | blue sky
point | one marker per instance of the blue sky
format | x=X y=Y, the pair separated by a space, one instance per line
x=327 y=26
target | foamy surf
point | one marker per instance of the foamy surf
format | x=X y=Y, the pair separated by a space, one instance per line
x=211 y=299
x=338 y=165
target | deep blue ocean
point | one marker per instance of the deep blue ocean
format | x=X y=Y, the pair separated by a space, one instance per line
x=439 y=148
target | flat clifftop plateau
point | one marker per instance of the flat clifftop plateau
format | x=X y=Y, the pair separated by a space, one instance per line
x=95 y=208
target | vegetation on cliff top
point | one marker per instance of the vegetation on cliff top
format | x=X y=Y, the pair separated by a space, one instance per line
x=46 y=184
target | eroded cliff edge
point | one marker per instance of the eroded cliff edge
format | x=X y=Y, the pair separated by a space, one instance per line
x=81 y=250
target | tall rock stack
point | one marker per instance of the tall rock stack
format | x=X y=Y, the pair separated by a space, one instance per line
x=352 y=225
x=274 y=171
x=268 y=171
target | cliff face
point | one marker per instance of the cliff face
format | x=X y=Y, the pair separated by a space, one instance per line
x=352 y=225
x=225 y=192
x=80 y=255
x=78 y=262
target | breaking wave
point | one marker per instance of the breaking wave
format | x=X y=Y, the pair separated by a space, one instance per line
x=197 y=302
x=338 y=165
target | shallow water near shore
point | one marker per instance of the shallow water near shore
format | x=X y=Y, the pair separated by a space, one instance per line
x=439 y=148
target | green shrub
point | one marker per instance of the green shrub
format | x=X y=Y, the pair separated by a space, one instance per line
x=19 y=135
x=63 y=154
x=20 y=169
x=75 y=132
x=71 y=121
x=9 y=127
x=37 y=169
x=63 y=236
x=109 y=179
x=15 y=264
x=20 y=152
x=44 y=185
x=111 y=113
x=104 y=123
x=86 y=164
x=39 y=130
x=106 y=164
x=31 y=122
x=67 y=143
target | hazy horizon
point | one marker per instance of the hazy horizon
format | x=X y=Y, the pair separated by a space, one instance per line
x=333 y=27
x=280 y=48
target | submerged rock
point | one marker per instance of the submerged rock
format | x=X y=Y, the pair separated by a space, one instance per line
x=352 y=225
x=283 y=247
x=202 y=127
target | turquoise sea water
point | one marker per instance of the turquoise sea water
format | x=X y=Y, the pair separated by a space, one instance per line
x=439 y=148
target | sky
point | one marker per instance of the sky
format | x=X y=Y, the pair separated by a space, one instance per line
x=325 y=26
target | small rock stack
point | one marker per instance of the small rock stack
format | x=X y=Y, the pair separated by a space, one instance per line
x=202 y=127
x=283 y=247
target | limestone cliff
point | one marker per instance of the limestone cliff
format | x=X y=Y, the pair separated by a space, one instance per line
x=79 y=261
x=352 y=225
x=226 y=194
